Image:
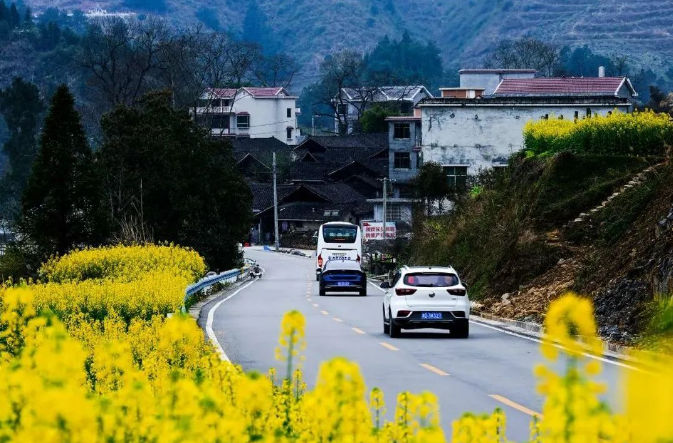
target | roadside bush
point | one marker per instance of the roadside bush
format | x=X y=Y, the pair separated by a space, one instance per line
x=640 y=134
x=124 y=263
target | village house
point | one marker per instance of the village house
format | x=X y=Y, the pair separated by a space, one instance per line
x=324 y=178
x=250 y=112
x=351 y=103
x=404 y=159
x=466 y=130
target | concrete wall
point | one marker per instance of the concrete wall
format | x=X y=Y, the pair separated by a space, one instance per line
x=479 y=136
x=403 y=145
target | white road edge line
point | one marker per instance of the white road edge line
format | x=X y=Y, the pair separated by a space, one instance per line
x=537 y=340
x=211 y=316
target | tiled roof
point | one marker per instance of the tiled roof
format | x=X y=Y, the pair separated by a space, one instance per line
x=385 y=93
x=255 y=92
x=264 y=92
x=583 y=86
x=260 y=148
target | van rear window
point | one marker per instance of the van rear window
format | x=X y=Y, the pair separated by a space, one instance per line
x=431 y=280
x=339 y=234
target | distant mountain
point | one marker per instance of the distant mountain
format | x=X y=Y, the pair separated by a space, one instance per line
x=465 y=30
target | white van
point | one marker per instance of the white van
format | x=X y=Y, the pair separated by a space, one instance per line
x=337 y=241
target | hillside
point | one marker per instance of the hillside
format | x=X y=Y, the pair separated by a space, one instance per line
x=464 y=30
x=596 y=225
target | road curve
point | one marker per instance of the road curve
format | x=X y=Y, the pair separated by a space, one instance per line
x=489 y=370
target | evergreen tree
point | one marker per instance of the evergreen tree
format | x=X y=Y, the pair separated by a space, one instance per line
x=4 y=12
x=164 y=172
x=22 y=109
x=28 y=17
x=62 y=200
x=256 y=28
x=14 y=17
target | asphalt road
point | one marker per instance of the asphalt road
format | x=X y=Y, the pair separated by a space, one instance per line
x=491 y=369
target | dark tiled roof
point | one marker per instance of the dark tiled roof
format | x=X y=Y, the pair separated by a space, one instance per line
x=363 y=141
x=584 y=86
x=260 y=148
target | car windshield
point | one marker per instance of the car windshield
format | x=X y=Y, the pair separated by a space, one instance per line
x=431 y=280
x=340 y=233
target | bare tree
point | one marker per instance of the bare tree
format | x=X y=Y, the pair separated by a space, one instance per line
x=121 y=56
x=619 y=64
x=526 y=53
x=275 y=70
x=341 y=83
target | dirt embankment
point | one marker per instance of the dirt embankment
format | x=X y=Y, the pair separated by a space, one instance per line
x=601 y=227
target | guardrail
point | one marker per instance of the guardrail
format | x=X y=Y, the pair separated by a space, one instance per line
x=206 y=282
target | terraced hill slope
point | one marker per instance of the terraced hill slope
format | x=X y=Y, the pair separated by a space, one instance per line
x=465 y=30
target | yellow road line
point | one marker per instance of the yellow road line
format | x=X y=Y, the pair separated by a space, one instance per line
x=359 y=331
x=324 y=312
x=338 y=320
x=516 y=406
x=433 y=369
x=388 y=346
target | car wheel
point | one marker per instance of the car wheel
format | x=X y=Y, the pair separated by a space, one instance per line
x=363 y=292
x=394 y=331
x=317 y=277
x=461 y=331
x=386 y=326
x=321 y=291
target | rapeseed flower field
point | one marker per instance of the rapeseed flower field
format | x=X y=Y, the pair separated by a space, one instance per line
x=640 y=133
x=88 y=355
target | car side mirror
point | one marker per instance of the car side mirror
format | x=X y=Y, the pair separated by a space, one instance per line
x=385 y=285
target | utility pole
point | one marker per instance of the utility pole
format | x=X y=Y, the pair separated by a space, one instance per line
x=385 y=205
x=275 y=204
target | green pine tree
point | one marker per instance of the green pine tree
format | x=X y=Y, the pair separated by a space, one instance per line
x=61 y=203
x=4 y=12
x=14 y=17
x=22 y=108
x=28 y=18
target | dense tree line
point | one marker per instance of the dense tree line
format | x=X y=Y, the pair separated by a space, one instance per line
x=157 y=176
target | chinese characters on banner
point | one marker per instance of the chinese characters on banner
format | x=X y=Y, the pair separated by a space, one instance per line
x=374 y=230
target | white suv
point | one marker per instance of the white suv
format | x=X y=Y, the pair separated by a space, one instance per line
x=426 y=297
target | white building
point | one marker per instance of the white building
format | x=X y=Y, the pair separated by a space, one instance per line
x=250 y=112
x=466 y=135
x=351 y=103
x=489 y=79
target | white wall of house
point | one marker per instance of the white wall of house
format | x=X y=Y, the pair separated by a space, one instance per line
x=481 y=136
x=268 y=117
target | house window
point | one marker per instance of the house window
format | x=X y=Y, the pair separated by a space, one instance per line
x=402 y=160
x=393 y=213
x=588 y=112
x=577 y=115
x=342 y=109
x=456 y=175
x=289 y=133
x=220 y=121
x=289 y=112
x=402 y=131
x=243 y=121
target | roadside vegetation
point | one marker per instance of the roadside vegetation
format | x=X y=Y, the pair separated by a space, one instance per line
x=586 y=208
x=89 y=355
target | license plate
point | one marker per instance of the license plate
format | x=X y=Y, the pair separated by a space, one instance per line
x=343 y=283
x=431 y=315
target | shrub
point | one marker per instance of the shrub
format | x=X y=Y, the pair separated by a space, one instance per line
x=640 y=133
